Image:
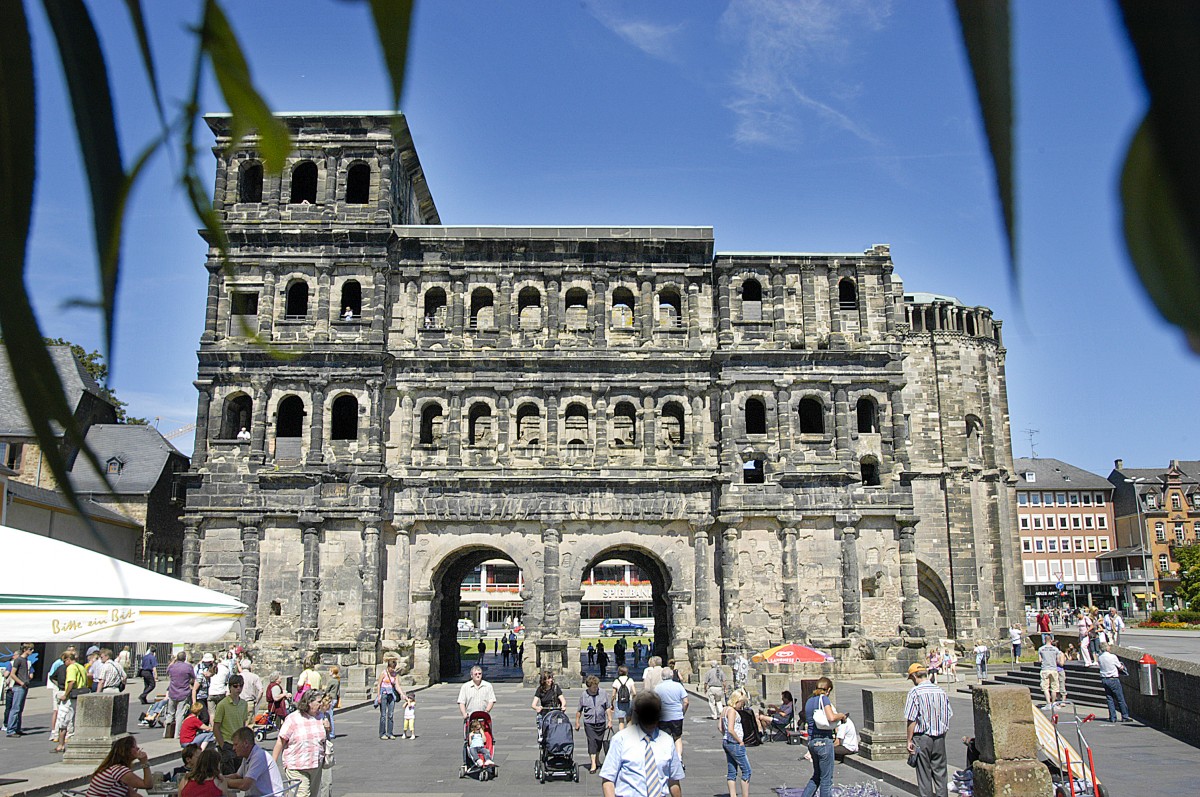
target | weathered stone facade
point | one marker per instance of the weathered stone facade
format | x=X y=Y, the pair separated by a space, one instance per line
x=772 y=438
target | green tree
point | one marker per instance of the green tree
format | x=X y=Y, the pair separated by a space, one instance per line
x=1188 y=557
x=93 y=363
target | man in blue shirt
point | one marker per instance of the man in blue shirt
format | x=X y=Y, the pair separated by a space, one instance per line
x=641 y=760
x=674 y=705
x=148 y=669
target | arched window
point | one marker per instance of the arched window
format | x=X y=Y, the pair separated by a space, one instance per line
x=431 y=424
x=931 y=322
x=812 y=416
x=974 y=438
x=435 y=308
x=971 y=325
x=868 y=416
x=577 y=420
x=624 y=425
x=297 y=300
x=358 y=184
x=529 y=424
x=239 y=409
x=868 y=469
x=751 y=300
x=529 y=308
x=756 y=416
x=577 y=308
x=304 y=183
x=250 y=183
x=289 y=418
x=669 y=308
x=672 y=423
x=351 y=300
x=847 y=294
x=483 y=311
x=479 y=425
x=622 y=308
x=754 y=472
x=344 y=418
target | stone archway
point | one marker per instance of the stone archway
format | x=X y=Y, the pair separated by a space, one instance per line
x=654 y=569
x=932 y=589
x=445 y=662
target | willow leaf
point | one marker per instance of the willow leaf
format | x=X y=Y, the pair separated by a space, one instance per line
x=1156 y=233
x=33 y=370
x=392 y=20
x=247 y=108
x=138 y=19
x=986 y=33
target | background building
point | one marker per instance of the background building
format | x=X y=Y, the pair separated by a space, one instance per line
x=786 y=446
x=1065 y=519
x=1156 y=510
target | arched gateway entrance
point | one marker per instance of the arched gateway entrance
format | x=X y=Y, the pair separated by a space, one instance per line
x=492 y=583
x=631 y=584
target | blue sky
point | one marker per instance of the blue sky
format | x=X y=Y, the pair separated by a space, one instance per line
x=787 y=125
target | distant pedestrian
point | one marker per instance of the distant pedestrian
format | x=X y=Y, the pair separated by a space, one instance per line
x=652 y=675
x=410 y=718
x=252 y=689
x=602 y=660
x=521 y=654
x=482 y=648
x=1051 y=660
x=19 y=677
x=624 y=691
x=1111 y=669
x=619 y=651
x=591 y=651
x=504 y=654
x=1116 y=623
x=625 y=774
x=181 y=680
x=714 y=685
x=1043 y=622
x=821 y=718
x=982 y=654
x=148 y=669
x=76 y=683
x=496 y=646
x=1083 y=626
x=388 y=692
x=124 y=658
x=1016 y=636
x=927 y=710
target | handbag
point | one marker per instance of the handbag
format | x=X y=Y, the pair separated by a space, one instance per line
x=820 y=721
x=912 y=759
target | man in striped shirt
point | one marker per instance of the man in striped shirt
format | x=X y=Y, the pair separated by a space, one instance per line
x=927 y=709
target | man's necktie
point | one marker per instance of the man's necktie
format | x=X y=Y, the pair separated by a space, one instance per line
x=654 y=780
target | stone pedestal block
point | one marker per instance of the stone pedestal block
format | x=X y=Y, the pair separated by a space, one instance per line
x=1004 y=727
x=99 y=719
x=1012 y=779
x=884 y=733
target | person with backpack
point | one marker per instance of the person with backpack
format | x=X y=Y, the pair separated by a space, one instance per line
x=623 y=693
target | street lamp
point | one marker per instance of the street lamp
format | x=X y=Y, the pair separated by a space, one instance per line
x=1137 y=502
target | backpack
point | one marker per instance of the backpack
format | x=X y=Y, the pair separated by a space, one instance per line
x=59 y=677
x=623 y=691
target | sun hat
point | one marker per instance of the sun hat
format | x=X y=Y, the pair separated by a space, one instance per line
x=207 y=658
x=913 y=669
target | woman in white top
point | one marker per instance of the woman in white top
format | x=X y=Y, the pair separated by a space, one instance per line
x=733 y=741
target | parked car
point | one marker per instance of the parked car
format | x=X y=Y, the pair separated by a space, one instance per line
x=465 y=624
x=619 y=625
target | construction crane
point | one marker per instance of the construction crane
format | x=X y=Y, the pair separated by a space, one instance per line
x=182 y=430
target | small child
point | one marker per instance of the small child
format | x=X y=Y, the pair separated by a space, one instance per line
x=476 y=742
x=410 y=718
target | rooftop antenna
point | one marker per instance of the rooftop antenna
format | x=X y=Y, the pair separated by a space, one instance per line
x=1032 y=435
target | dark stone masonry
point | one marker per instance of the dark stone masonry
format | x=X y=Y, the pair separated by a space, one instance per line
x=788 y=445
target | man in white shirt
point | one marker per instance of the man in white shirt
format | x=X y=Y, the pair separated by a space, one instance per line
x=624 y=771
x=652 y=675
x=1117 y=624
x=259 y=774
x=252 y=685
x=1110 y=675
x=476 y=694
x=218 y=685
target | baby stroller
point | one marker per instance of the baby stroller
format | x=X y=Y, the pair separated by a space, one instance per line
x=556 y=745
x=153 y=716
x=472 y=766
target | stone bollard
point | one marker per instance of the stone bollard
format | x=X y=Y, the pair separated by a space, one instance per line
x=99 y=719
x=1007 y=742
x=884 y=733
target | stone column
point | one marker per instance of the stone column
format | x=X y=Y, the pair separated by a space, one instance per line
x=374 y=430
x=648 y=418
x=851 y=577
x=250 y=568
x=266 y=305
x=808 y=306
x=792 y=631
x=553 y=302
x=502 y=419
x=841 y=420
x=310 y=575
x=778 y=309
x=456 y=312
x=189 y=569
x=453 y=436
x=599 y=314
x=731 y=622
x=703 y=577
x=504 y=301
x=552 y=596
x=213 y=300
x=909 y=587
x=647 y=311
x=836 y=335
x=372 y=585
x=379 y=310
x=696 y=431
x=601 y=453
x=203 y=408
x=899 y=428
x=552 y=448
x=692 y=308
x=316 y=425
x=403 y=578
x=321 y=322
x=783 y=428
x=724 y=321
x=258 y=424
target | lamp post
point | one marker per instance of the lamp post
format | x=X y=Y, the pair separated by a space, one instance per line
x=1137 y=502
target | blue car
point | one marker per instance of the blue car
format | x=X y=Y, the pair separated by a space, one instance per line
x=619 y=625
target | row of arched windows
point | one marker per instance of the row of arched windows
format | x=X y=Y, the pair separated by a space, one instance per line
x=752 y=297
x=576 y=431
x=754 y=471
x=304 y=183
x=289 y=419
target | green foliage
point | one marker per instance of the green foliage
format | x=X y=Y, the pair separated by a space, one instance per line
x=1188 y=557
x=1161 y=617
x=1189 y=616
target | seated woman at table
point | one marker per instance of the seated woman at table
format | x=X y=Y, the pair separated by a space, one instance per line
x=114 y=778
x=778 y=716
x=204 y=779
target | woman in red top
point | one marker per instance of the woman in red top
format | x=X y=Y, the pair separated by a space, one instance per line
x=276 y=696
x=114 y=778
x=205 y=779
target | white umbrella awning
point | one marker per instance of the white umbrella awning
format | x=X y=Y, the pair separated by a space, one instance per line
x=53 y=591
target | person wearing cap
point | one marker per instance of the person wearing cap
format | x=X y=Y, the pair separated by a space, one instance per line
x=927 y=710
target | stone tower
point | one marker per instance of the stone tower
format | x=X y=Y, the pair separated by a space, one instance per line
x=774 y=440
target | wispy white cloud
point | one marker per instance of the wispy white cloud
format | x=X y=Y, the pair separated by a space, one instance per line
x=784 y=77
x=654 y=39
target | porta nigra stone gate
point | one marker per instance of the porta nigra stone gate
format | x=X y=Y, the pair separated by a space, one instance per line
x=789 y=446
